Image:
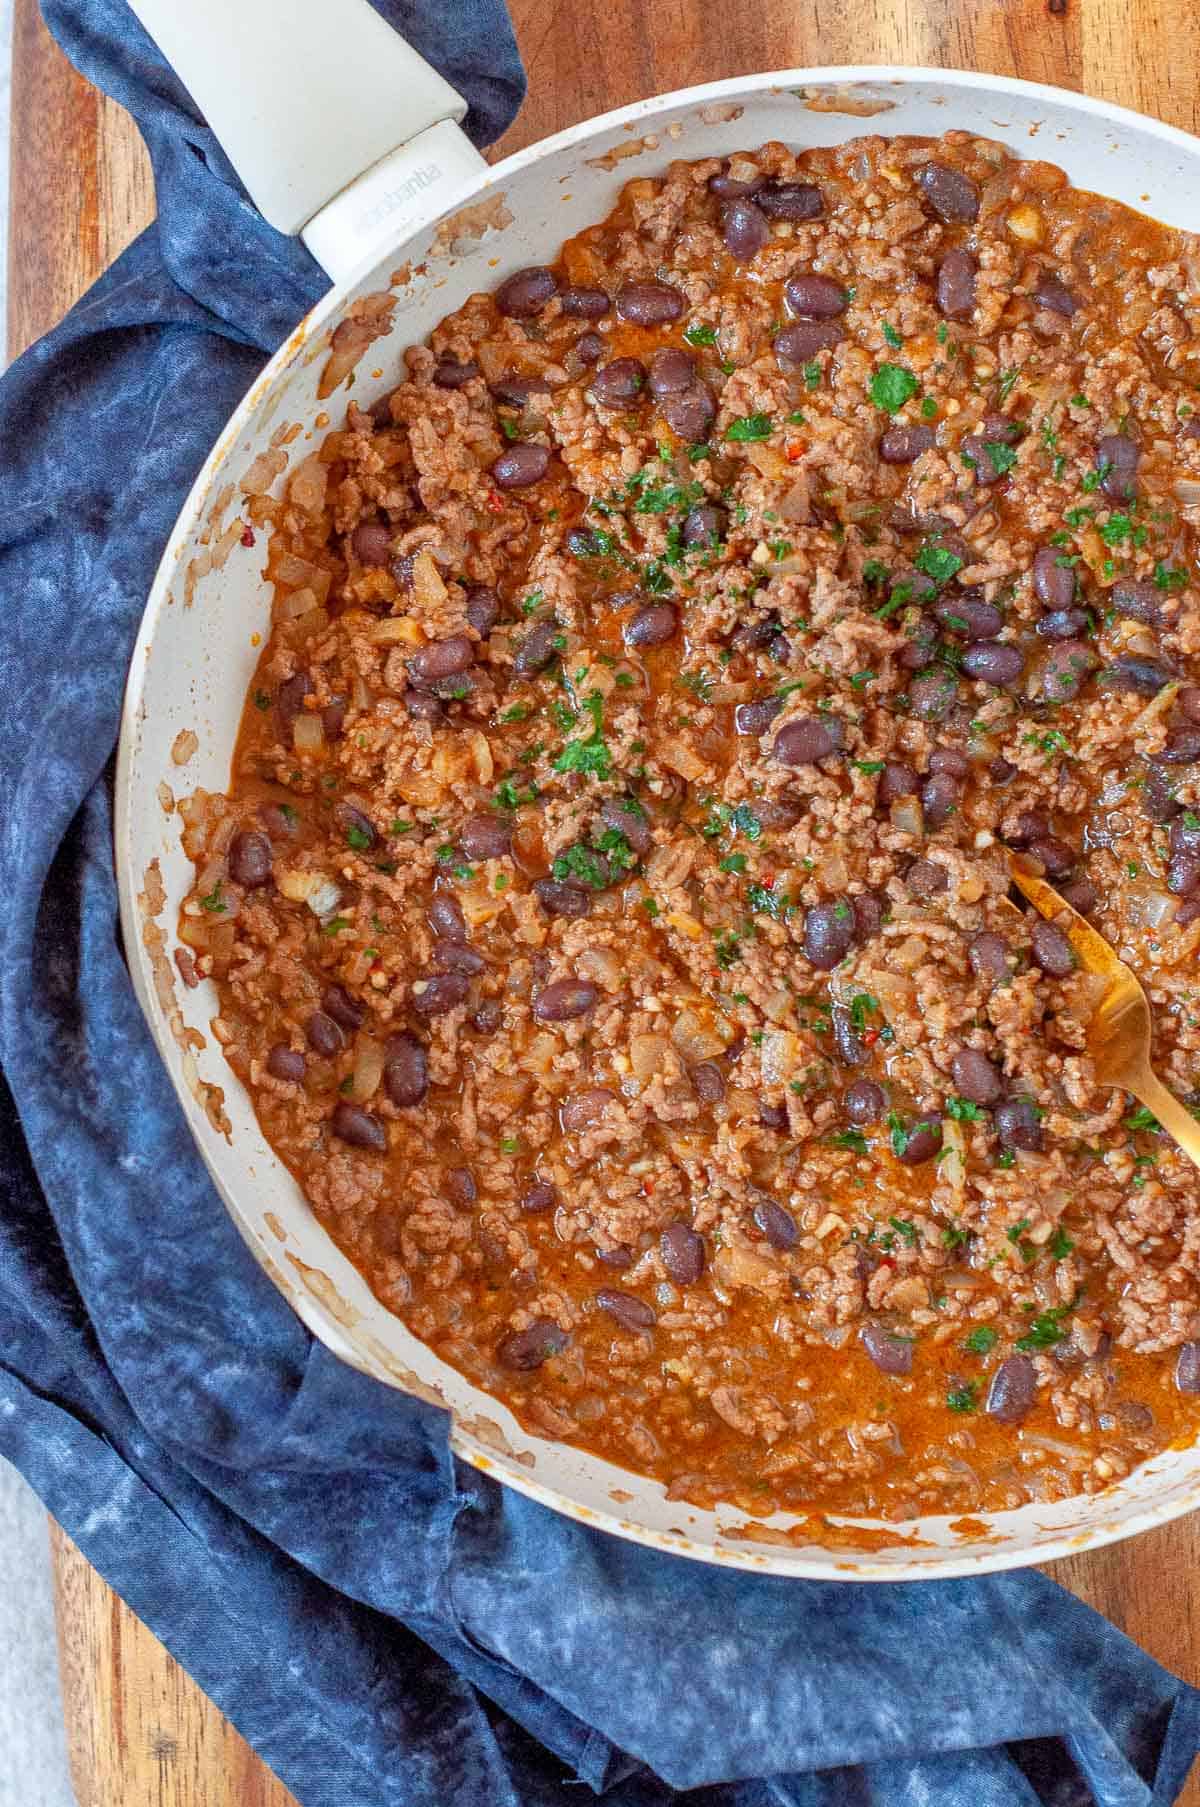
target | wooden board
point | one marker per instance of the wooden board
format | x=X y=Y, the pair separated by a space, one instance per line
x=141 y=1734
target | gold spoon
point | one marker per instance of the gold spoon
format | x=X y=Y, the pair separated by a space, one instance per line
x=1118 y=1038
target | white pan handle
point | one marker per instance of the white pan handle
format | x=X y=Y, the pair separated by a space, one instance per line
x=338 y=129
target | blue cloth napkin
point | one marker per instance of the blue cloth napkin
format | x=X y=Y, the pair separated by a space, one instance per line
x=386 y=1626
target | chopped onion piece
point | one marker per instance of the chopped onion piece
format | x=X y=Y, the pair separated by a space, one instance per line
x=908 y=816
x=368 y=1069
x=308 y=734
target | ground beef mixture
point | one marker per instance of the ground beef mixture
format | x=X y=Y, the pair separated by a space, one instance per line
x=610 y=911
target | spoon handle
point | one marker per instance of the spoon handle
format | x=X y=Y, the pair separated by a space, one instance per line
x=1175 y=1118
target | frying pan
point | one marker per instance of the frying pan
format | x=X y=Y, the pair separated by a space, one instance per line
x=409 y=221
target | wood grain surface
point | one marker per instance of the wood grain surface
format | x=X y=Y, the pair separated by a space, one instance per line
x=141 y=1734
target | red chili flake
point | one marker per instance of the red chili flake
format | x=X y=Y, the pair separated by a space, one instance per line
x=648 y=1187
x=248 y=537
x=794 y=450
x=495 y=501
x=870 y=1037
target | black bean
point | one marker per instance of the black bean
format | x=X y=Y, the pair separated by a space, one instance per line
x=1136 y=676
x=993 y=662
x=1187 y=912
x=346 y=1010
x=454 y=957
x=358 y=1128
x=690 y=413
x=1051 y=950
x=925 y=878
x=745 y=229
x=570 y=901
x=869 y=908
x=897 y=779
x=524 y=1350
x=956 y=284
x=1027 y=825
x=1055 y=856
x=989 y=958
x=323 y=1034
x=250 y=860
x=445 y=914
x=281 y=822
x=1187 y=1368
x=791 y=201
x=443 y=659
x=814 y=297
x=1159 y=802
x=539 y=1198
x=951 y=194
x=918 y=651
x=988 y=469
x=798 y=344
x=564 y=1000
x=1118 y=456
x=1062 y=624
x=630 y=1312
x=913 y=1147
x=776 y=1224
x=828 y=934
x=1053 y=583
x=682 y=1252
x=1052 y=292
x=405 y=1071
x=779 y=812
x=1011 y=1394
x=289 y=701
x=671 y=370
x=864 y=1101
x=903 y=445
x=627 y=816
x=940 y=795
x=521 y=465
x=756 y=718
x=708 y=1082
x=852 y=1051
x=752 y=636
x=1068 y=665
x=729 y=188
x=891 y=1354
x=619 y=1257
x=650 y=303
x=808 y=738
x=371 y=542
x=616 y=384
x=932 y=695
x=423 y=707
x=1183 y=874
x=286 y=1063
x=448 y=373
x=583 y=303
x=1185 y=834
x=967 y=614
x=485 y=838
x=459 y=1186
x=1181 y=747
x=772 y=1116
x=653 y=625
x=1001 y=770
x=589 y=348
x=949 y=759
x=1187 y=703
x=333 y=718
x=1141 y=601
x=975 y=1077
x=1081 y=894
x=517 y=391
x=704 y=526
x=1019 y=1125
x=439 y=994
x=537 y=649
x=524 y=294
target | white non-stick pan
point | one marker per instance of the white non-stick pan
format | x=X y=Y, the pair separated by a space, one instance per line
x=342 y=133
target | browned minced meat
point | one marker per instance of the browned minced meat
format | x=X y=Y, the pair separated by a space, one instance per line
x=638 y=752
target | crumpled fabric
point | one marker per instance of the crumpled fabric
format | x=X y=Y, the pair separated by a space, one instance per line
x=386 y=1626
